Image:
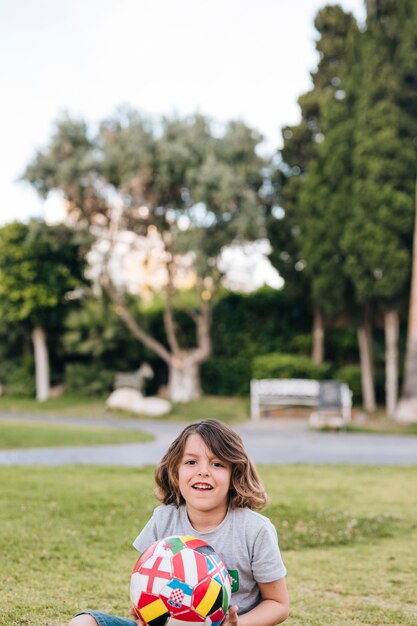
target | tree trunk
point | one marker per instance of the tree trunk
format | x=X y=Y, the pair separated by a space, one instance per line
x=366 y=359
x=407 y=407
x=371 y=8
x=317 y=353
x=391 y=322
x=183 y=365
x=41 y=364
x=184 y=379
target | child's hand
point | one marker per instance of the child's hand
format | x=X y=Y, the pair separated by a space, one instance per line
x=135 y=617
x=230 y=620
x=231 y=617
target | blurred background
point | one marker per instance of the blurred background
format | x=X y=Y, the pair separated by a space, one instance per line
x=222 y=190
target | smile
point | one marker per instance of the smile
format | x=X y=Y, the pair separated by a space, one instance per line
x=202 y=486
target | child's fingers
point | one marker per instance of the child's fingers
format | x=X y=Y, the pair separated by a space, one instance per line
x=232 y=617
x=134 y=615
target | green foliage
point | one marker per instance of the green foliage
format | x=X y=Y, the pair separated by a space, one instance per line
x=305 y=246
x=227 y=376
x=39 y=266
x=96 y=332
x=41 y=269
x=278 y=365
x=245 y=326
x=377 y=240
x=97 y=344
x=18 y=376
x=351 y=374
x=346 y=182
x=88 y=379
x=342 y=344
x=172 y=168
x=300 y=343
x=325 y=195
x=193 y=188
x=68 y=163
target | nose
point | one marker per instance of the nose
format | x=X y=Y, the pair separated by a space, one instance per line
x=203 y=470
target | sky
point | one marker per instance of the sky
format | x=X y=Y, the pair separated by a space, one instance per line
x=228 y=59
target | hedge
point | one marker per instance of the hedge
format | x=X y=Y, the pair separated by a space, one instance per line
x=279 y=365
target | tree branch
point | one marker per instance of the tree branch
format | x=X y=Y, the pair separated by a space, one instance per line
x=169 y=321
x=203 y=351
x=133 y=326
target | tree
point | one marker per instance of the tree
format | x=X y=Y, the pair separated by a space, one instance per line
x=298 y=241
x=195 y=191
x=325 y=198
x=407 y=67
x=354 y=199
x=406 y=411
x=39 y=266
x=377 y=238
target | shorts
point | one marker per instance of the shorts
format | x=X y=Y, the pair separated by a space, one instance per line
x=104 y=619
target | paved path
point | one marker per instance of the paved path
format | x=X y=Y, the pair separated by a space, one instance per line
x=278 y=442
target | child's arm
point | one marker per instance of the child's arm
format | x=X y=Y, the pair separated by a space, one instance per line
x=273 y=608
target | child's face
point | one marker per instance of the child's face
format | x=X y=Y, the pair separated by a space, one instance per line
x=204 y=480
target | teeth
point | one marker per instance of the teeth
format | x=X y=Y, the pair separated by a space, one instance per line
x=198 y=486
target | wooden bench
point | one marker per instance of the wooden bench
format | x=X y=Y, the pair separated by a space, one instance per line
x=331 y=400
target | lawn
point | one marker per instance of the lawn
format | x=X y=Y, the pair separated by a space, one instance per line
x=26 y=434
x=347 y=536
x=230 y=410
x=380 y=424
x=227 y=409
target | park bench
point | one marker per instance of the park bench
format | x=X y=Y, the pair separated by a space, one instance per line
x=331 y=400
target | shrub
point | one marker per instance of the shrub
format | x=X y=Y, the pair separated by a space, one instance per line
x=279 y=365
x=247 y=325
x=351 y=374
x=301 y=343
x=19 y=377
x=88 y=379
x=226 y=376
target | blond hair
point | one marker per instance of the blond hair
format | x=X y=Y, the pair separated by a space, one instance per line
x=246 y=488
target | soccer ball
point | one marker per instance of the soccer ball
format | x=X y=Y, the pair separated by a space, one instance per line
x=180 y=581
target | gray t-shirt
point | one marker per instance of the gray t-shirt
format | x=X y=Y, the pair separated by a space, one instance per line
x=246 y=541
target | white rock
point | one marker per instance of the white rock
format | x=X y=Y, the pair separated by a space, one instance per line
x=406 y=411
x=132 y=400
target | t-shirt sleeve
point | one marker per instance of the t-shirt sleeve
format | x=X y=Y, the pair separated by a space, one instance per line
x=267 y=564
x=147 y=536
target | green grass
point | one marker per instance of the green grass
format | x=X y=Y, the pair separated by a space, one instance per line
x=227 y=409
x=230 y=410
x=26 y=434
x=347 y=535
x=382 y=425
x=66 y=405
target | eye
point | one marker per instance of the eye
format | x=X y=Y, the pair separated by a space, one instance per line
x=218 y=464
x=190 y=462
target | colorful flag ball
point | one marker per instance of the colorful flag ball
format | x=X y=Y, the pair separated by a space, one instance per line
x=180 y=581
